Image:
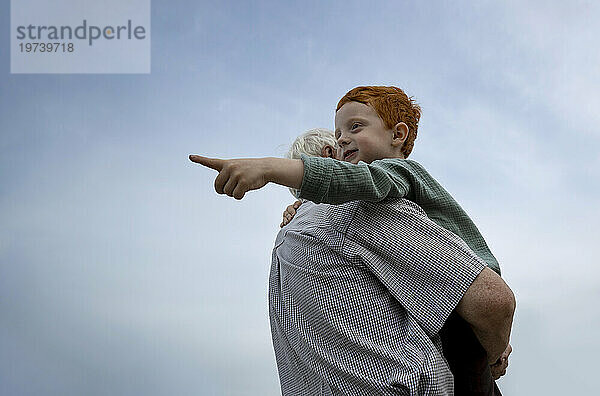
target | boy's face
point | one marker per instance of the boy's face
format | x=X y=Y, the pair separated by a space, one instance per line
x=362 y=135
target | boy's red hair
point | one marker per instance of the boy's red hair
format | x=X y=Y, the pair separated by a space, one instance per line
x=392 y=105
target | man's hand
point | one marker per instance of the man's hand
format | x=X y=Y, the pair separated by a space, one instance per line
x=289 y=213
x=499 y=368
x=238 y=176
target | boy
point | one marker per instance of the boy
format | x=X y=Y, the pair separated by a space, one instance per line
x=375 y=126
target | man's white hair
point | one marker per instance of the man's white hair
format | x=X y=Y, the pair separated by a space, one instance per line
x=310 y=143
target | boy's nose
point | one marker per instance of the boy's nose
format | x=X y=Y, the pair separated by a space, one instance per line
x=342 y=141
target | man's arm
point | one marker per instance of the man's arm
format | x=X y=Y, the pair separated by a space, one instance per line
x=488 y=306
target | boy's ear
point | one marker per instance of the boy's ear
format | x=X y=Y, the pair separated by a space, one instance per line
x=400 y=131
x=328 y=152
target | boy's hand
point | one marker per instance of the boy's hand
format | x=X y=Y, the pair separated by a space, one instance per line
x=499 y=368
x=237 y=176
x=289 y=212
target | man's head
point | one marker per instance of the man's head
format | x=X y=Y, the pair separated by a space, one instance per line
x=375 y=122
x=318 y=142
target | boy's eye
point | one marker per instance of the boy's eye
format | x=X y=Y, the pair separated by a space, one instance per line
x=355 y=125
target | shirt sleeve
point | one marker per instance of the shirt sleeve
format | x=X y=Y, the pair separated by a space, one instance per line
x=326 y=180
x=426 y=268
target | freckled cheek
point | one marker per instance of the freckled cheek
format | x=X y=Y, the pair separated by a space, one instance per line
x=364 y=146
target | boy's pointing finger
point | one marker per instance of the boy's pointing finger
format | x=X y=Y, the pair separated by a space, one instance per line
x=213 y=163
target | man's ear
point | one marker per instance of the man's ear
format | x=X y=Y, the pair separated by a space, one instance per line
x=328 y=152
x=400 y=131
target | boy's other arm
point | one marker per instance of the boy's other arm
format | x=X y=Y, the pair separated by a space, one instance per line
x=289 y=213
x=488 y=306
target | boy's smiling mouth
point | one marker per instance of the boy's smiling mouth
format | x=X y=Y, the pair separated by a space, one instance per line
x=349 y=154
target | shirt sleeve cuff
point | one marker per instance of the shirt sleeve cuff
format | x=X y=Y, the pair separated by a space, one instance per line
x=451 y=296
x=316 y=178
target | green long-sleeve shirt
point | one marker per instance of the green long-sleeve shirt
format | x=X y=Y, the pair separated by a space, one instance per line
x=330 y=181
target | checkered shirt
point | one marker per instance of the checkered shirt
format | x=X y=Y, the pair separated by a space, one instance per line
x=357 y=295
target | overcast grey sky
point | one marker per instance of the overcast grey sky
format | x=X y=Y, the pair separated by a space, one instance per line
x=123 y=272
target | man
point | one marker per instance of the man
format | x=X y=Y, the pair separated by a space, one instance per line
x=360 y=291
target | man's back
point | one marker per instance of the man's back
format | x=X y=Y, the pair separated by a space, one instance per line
x=357 y=298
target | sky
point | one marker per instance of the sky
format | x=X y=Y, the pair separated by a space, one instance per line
x=123 y=272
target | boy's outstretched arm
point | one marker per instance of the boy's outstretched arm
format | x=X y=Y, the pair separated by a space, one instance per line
x=238 y=176
x=321 y=180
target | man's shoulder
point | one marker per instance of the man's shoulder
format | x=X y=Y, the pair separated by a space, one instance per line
x=336 y=217
x=389 y=209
